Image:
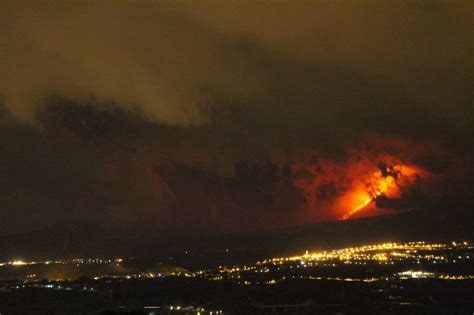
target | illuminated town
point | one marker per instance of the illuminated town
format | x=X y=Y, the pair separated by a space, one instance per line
x=343 y=264
x=414 y=254
x=384 y=265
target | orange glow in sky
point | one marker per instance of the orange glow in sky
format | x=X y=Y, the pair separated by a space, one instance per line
x=378 y=185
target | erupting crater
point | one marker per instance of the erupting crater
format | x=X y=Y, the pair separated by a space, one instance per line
x=389 y=181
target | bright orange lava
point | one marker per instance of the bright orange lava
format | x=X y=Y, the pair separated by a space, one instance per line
x=377 y=185
x=356 y=209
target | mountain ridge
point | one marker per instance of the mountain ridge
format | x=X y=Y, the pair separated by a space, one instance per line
x=83 y=239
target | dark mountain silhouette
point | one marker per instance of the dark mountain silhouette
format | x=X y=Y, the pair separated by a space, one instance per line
x=62 y=240
x=79 y=239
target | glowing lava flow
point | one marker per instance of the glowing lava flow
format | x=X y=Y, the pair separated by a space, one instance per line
x=356 y=209
x=378 y=185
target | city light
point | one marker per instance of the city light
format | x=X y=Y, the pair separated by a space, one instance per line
x=309 y=265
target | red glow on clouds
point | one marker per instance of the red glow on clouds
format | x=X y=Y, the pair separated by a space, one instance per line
x=389 y=185
x=376 y=178
x=350 y=187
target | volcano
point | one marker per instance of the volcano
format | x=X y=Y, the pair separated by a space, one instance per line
x=440 y=222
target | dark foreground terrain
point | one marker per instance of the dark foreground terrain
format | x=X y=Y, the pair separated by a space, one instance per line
x=197 y=296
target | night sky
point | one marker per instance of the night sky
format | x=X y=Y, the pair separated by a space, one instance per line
x=215 y=117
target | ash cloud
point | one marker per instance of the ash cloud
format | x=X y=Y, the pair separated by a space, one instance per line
x=154 y=58
x=338 y=69
x=218 y=96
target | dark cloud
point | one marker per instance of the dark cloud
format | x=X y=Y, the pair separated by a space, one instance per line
x=98 y=96
x=395 y=67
